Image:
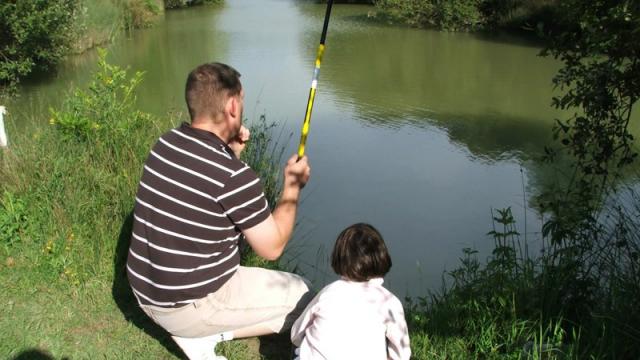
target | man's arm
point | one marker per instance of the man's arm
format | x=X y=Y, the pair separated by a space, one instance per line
x=269 y=238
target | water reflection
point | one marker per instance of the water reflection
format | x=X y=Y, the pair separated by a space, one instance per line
x=492 y=97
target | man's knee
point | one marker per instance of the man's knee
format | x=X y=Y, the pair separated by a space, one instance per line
x=302 y=292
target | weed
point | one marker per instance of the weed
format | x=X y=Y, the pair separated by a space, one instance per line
x=13 y=220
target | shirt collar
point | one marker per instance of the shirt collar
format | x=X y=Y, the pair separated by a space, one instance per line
x=374 y=281
x=207 y=136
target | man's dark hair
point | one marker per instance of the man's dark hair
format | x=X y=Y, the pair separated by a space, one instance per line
x=208 y=86
x=360 y=253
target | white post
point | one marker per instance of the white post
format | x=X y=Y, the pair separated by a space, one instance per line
x=3 y=134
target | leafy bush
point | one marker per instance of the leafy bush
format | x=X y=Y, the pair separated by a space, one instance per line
x=105 y=113
x=34 y=35
x=469 y=15
x=539 y=15
x=140 y=13
x=172 y=4
x=454 y=15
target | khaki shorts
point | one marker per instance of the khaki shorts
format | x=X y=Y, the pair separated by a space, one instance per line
x=252 y=296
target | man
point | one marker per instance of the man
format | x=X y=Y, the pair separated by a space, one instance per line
x=194 y=201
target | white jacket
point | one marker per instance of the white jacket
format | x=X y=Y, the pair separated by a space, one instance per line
x=352 y=320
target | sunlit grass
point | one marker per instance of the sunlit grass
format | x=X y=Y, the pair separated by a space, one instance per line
x=67 y=188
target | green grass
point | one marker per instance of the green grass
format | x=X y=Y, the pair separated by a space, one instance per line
x=67 y=189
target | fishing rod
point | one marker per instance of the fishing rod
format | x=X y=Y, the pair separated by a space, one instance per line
x=314 y=83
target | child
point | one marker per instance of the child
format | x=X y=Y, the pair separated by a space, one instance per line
x=354 y=317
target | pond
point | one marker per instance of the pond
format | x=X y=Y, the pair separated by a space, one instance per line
x=420 y=133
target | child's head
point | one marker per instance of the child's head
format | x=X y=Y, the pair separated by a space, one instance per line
x=360 y=253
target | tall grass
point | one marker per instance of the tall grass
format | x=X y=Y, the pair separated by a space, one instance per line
x=100 y=21
x=264 y=154
x=564 y=303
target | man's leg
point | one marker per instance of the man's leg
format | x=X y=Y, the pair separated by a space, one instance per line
x=258 y=301
x=253 y=302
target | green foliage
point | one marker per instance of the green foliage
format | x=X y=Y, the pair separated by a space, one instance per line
x=99 y=21
x=592 y=224
x=601 y=81
x=140 y=13
x=77 y=180
x=263 y=154
x=34 y=36
x=470 y=15
x=536 y=15
x=493 y=307
x=105 y=113
x=456 y=15
x=172 y=4
x=566 y=303
x=13 y=219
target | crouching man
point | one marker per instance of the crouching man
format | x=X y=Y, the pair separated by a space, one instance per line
x=194 y=202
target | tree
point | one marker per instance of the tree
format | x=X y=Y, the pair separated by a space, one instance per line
x=34 y=35
x=601 y=75
x=599 y=47
x=595 y=238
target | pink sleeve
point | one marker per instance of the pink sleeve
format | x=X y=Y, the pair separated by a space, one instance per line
x=398 y=347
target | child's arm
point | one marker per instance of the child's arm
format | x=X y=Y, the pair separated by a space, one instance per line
x=398 y=347
x=303 y=322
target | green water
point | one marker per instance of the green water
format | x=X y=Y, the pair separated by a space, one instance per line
x=418 y=132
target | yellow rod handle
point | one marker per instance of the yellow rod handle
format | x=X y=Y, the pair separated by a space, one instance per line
x=312 y=94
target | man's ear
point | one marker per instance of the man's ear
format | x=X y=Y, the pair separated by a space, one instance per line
x=232 y=106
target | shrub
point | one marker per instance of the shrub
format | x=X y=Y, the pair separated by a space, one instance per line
x=454 y=15
x=105 y=113
x=34 y=35
x=140 y=13
x=172 y=4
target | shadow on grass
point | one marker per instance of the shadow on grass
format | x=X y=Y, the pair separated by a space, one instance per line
x=124 y=298
x=276 y=346
x=35 y=354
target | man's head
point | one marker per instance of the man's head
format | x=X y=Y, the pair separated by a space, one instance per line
x=213 y=89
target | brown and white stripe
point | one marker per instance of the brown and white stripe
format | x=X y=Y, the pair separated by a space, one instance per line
x=193 y=201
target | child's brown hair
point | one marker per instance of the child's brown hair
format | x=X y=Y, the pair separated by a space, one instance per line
x=360 y=253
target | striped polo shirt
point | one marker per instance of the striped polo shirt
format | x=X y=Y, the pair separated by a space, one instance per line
x=194 y=199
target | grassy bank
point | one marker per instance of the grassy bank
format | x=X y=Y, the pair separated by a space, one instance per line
x=98 y=21
x=66 y=194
